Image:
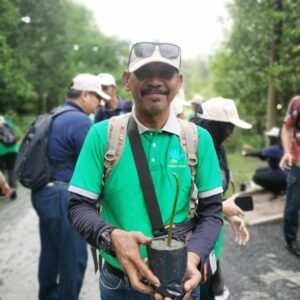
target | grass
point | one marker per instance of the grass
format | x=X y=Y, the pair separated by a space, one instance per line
x=242 y=168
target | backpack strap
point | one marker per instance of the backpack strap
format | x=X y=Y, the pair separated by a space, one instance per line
x=189 y=142
x=54 y=113
x=62 y=109
x=117 y=129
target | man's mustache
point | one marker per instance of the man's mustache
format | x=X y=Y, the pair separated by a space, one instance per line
x=150 y=90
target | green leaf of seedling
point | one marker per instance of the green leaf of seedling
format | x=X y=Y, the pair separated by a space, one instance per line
x=170 y=229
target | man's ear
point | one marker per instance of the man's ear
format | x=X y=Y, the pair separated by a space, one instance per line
x=179 y=81
x=84 y=95
x=125 y=80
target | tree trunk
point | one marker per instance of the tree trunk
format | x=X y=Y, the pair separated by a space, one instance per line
x=274 y=59
x=271 y=105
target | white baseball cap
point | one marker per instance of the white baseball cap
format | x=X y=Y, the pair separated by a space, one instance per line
x=107 y=79
x=197 y=99
x=223 y=110
x=144 y=53
x=177 y=105
x=273 y=132
x=90 y=83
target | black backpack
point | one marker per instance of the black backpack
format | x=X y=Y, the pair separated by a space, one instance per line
x=7 y=135
x=32 y=166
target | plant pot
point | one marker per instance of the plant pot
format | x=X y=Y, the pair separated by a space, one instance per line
x=169 y=265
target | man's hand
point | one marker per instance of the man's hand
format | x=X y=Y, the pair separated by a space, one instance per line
x=4 y=188
x=286 y=161
x=193 y=274
x=240 y=230
x=126 y=245
x=248 y=148
x=230 y=209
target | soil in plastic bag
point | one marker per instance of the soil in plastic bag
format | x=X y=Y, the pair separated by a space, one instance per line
x=169 y=265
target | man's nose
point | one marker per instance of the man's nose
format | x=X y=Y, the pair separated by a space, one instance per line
x=155 y=79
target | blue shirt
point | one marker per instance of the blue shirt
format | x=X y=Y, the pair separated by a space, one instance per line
x=104 y=114
x=66 y=138
x=273 y=154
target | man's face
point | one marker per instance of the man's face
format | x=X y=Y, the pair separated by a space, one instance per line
x=153 y=87
x=91 y=102
x=110 y=90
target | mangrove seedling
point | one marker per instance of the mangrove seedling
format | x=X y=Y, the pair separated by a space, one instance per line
x=170 y=229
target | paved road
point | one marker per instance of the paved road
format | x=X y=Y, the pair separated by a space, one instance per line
x=260 y=271
x=264 y=269
x=19 y=252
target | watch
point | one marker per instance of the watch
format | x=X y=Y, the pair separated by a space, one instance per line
x=105 y=243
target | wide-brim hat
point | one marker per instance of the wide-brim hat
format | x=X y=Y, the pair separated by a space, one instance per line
x=223 y=110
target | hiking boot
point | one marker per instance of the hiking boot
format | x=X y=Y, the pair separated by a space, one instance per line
x=294 y=248
x=224 y=296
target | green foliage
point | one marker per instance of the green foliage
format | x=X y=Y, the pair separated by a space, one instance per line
x=242 y=168
x=13 y=64
x=242 y=137
x=263 y=45
x=197 y=78
x=39 y=58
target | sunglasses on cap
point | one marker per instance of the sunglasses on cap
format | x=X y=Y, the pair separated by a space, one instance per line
x=146 y=49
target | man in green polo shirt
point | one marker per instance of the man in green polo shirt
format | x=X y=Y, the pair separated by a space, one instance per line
x=123 y=228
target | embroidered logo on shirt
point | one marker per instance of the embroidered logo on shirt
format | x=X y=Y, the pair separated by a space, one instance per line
x=176 y=159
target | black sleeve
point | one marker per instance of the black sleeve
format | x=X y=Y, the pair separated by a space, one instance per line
x=258 y=154
x=85 y=218
x=208 y=225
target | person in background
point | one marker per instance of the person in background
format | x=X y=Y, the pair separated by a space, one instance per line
x=8 y=156
x=220 y=116
x=114 y=106
x=63 y=255
x=290 y=161
x=196 y=108
x=123 y=229
x=271 y=178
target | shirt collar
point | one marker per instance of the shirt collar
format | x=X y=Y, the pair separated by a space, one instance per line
x=170 y=126
x=72 y=103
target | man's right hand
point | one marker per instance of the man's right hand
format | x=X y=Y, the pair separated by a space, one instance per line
x=126 y=245
x=286 y=161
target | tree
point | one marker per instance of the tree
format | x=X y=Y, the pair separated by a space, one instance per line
x=44 y=45
x=13 y=64
x=258 y=64
x=197 y=78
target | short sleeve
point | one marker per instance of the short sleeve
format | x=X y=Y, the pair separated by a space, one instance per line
x=87 y=176
x=292 y=114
